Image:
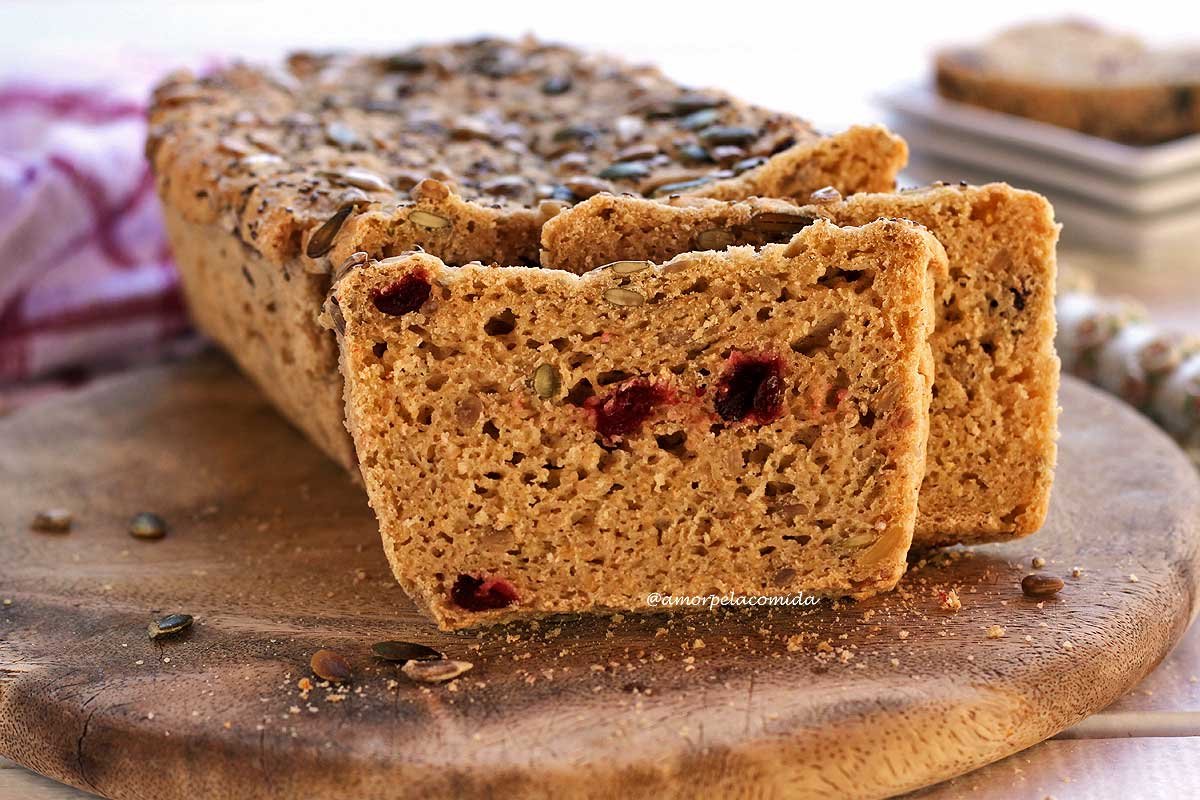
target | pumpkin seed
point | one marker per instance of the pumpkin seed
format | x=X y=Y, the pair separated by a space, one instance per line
x=714 y=239
x=628 y=267
x=727 y=134
x=404 y=651
x=625 y=171
x=748 y=164
x=681 y=186
x=147 y=525
x=321 y=242
x=404 y=62
x=698 y=120
x=779 y=222
x=52 y=520
x=546 y=381
x=826 y=194
x=328 y=665
x=169 y=625
x=694 y=152
x=435 y=671
x=343 y=136
x=427 y=220
x=619 y=296
x=556 y=84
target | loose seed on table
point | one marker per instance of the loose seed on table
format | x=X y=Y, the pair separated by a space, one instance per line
x=329 y=666
x=52 y=520
x=169 y=625
x=1039 y=584
x=147 y=525
x=435 y=671
x=405 y=651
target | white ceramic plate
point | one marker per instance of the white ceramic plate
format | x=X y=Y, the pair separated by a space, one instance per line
x=921 y=102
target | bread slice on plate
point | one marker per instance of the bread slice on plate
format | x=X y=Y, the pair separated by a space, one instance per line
x=994 y=413
x=749 y=421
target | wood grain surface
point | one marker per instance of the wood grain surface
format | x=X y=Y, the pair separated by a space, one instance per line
x=275 y=553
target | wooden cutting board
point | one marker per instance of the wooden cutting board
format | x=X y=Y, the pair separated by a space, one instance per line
x=275 y=553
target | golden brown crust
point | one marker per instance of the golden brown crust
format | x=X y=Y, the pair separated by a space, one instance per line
x=994 y=413
x=778 y=444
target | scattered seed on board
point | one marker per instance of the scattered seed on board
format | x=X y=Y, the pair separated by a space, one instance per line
x=1039 y=584
x=169 y=625
x=435 y=671
x=328 y=665
x=546 y=381
x=405 y=651
x=52 y=520
x=624 y=297
x=147 y=525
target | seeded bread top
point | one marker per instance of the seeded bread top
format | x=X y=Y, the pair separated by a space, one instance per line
x=517 y=129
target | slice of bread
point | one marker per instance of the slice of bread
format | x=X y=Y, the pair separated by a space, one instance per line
x=1078 y=75
x=994 y=413
x=270 y=177
x=749 y=421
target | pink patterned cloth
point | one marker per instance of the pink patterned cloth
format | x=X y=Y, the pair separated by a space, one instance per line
x=86 y=278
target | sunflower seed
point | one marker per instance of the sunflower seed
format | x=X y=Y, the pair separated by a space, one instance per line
x=546 y=381
x=435 y=671
x=404 y=651
x=625 y=171
x=677 y=265
x=147 y=525
x=727 y=134
x=556 y=84
x=367 y=181
x=826 y=194
x=1039 y=584
x=52 y=520
x=259 y=160
x=779 y=222
x=714 y=239
x=427 y=220
x=624 y=297
x=168 y=625
x=321 y=242
x=328 y=665
x=726 y=154
x=628 y=267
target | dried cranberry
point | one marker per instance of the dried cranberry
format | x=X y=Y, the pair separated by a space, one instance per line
x=623 y=411
x=482 y=594
x=405 y=295
x=751 y=387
